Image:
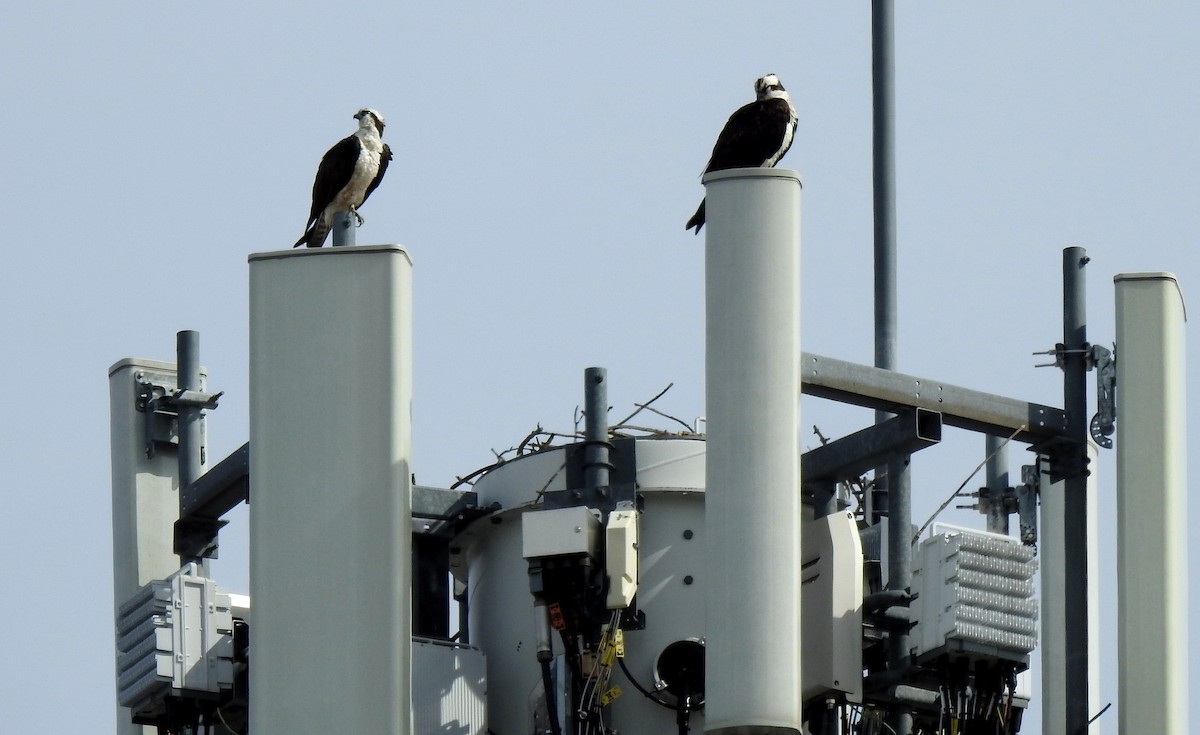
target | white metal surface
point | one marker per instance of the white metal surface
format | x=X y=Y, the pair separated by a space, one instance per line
x=833 y=597
x=752 y=292
x=1152 y=556
x=449 y=688
x=560 y=532
x=620 y=557
x=145 y=494
x=672 y=570
x=330 y=526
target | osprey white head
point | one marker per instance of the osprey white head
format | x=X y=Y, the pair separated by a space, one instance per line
x=366 y=116
x=768 y=86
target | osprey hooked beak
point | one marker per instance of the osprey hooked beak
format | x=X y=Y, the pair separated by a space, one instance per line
x=767 y=84
x=376 y=117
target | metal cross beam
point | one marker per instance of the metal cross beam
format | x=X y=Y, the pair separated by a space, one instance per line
x=852 y=455
x=886 y=390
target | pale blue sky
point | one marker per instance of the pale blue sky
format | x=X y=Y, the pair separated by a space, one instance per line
x=547 y=157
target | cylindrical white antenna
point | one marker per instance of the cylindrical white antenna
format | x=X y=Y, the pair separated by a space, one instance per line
x=752 y=496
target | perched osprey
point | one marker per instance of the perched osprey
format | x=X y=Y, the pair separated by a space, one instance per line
x=757 y=135
x=348 y=173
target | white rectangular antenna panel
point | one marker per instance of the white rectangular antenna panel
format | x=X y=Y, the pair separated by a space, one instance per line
x=331 y=514
x=1152 y=499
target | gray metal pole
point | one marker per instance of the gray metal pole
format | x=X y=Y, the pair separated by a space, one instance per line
x=996 y=450
x=899 y=576
x=1074 y=461
x=344 y=227
x=596 y=464
x=883 y=94
x=191 y=439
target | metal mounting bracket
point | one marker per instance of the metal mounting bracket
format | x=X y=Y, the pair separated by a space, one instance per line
x=1102 y=424
x=160 y=406
x=161 y=423
x=1027 y=502
x=1060 y=352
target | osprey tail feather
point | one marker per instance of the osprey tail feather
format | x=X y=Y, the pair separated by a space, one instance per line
x=697 y=219
x=315 y=236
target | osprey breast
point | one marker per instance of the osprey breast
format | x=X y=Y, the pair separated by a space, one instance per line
x=365 y=169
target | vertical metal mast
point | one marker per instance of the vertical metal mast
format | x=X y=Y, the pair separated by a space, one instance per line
x=191 y=439
x=996 y=452
x=343 y=229
x=883 y=94
x=1074 y=468
x=596 y=465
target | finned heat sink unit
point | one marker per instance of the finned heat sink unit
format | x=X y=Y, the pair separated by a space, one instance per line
x=174 y=638
x=974 y=595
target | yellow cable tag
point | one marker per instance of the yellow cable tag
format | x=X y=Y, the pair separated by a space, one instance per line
x=610 y=695
x=607 y=655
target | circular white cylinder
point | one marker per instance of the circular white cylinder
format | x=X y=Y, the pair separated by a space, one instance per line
x=752 y=498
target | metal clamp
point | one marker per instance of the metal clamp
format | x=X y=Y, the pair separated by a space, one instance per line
x=1060 y=352
x=161 y=424
x=1102 y=424
x=1027 y=504
x=160 y=407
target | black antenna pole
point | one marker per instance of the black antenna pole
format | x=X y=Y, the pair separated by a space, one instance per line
x=1075 y=531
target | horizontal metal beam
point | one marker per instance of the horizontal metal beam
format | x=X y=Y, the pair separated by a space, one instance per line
x=441 y=504
x=219 y=489
x=852 y=455
x=209 y=497
x=886 y=390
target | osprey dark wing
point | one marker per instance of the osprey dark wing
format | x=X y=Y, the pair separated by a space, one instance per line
x=752 y=136
x=756 y=135
x=384 y=159
x=335 y=170
x=346 y=176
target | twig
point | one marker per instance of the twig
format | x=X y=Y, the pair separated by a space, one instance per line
x=561 y=467
x=641 y=406
x=466 y=479
x=528 y=437
x=539 y=439
x=681 y=422
x=617 y=430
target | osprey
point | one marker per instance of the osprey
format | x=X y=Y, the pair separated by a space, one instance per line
x=348 y=173
x=756 y=135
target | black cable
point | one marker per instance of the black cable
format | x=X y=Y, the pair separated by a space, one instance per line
x=575 y=673
x=1097 y=715
x=551 y=699
x=639 y=687
x=683 y=710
